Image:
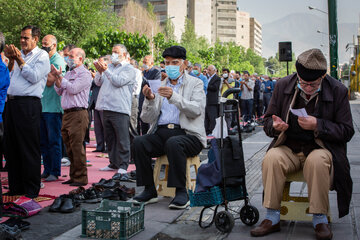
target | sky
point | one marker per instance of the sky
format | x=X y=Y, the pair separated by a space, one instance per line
x=266 y=11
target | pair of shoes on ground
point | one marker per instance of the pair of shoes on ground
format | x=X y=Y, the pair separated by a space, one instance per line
x=22 y=225
x=64 y=204
x=149 y=195
x=90 y=195
x=74 y=184
x=322 y=230
x=123 y=177
x=9 y=233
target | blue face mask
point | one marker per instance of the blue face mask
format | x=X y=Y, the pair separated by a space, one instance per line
x=196 y=72
x=71 y=63
x=66 y=59
x=172 y=71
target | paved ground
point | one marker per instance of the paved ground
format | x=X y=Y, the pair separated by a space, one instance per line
x=162 y=223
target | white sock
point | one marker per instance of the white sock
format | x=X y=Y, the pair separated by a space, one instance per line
x=122 y=171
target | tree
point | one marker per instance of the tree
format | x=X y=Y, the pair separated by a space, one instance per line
x=160 y=44
x=138 y=19
x=137 y=46
x=70 y=21
x=169 y=30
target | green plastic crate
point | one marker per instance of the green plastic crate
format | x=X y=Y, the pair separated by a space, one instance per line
x=113 y=220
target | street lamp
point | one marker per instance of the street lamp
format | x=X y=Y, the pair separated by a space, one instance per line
x=314 y=8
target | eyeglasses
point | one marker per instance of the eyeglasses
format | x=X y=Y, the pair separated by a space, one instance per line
x=313 y=85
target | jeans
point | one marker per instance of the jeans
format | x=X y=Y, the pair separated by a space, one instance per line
x=50 y=142
x=247 y=108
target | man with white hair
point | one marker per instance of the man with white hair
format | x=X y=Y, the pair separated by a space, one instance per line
x=212 y=99
x=74 y=89
x=117 y=81
x=50 y=124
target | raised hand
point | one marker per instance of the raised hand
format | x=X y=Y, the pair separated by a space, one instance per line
x=148 y=93
x=165 y=92
x=279 y=124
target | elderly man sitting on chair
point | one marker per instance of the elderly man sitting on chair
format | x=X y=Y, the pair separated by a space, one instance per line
x=315 y=143
x=176 y=114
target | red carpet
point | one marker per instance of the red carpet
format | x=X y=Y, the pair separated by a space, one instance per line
x=94 y=175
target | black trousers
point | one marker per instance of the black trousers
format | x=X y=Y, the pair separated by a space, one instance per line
x=172 y=142
x=22 y=137
x=211 y=113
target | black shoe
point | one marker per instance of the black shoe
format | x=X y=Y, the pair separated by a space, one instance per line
x=181 y=200
x=7 y=232
x=147 y=196
x=122 y=177
x=68 y=205
x=77 y=184
x=44 y=175
x=100 y=183
x=55 y=207
x=22 y=225
x=67 y=182
x=97 y=150
x=114 y=194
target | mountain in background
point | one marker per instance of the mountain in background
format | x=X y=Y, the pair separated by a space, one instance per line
x=301 y=30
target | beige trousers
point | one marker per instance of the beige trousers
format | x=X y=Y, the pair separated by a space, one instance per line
x=280 y=161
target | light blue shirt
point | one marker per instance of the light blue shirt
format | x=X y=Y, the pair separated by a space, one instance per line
x=31 y=79
x=169 y=112
x=203 y=79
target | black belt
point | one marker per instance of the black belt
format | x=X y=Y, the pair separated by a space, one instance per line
x=170 y=126
x=12 y=97
x=74 y=109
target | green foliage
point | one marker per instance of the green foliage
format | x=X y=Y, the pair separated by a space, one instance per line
x=150 y=9
x=160 y=44
x=70 y=21
x=275 y=68
x=103 y=42
x=169 y=30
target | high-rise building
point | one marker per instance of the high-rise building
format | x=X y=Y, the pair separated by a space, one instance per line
x=255 y=36
x=223 y=21
x=199 y=12
x=243 y=29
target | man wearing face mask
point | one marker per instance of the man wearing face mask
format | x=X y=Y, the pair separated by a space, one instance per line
x=117 y=81
x=176 y=116
x=66 y=50
x=29 y=69
x=316 y=143
x=227 y=83
x=196 y=72
x=74 y=90
x=50 y=125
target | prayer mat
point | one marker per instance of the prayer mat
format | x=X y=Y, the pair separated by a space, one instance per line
x=40 y=198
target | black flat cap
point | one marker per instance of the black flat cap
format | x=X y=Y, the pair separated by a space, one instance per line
x=175 y=52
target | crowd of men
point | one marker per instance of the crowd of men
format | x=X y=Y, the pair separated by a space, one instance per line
x=48 y=97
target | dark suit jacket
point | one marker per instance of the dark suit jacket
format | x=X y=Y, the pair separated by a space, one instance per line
x=94 y=95
x=212 y=96
x=334 y=128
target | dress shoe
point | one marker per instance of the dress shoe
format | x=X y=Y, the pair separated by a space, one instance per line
x=147 y=196
x=68 y=205
x=97 y=150
x=68 y=182
x=100 y=183
x=22 y=225
x=122 y=177
x=323 y=231
x=55 y=207
x=77 y=184
x=180 y=201
x=265 y=228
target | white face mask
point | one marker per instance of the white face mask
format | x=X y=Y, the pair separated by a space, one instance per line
x=225 y=75
x=146 y=67
x=115 y=58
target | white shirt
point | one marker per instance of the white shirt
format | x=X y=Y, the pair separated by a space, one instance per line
x=245 y=93
x=31 y=79
x=117 y=84
x=137 y=86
